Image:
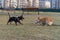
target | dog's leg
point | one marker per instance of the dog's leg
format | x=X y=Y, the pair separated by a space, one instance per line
x=7 y=22
x=43 y=23
x=20 y=23
x=10 y=22
x=37 y=21
x=16 y=23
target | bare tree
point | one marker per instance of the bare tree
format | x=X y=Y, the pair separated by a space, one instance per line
x=10 y=3
x=18 y=3
x=29 y=3
x=4 y=3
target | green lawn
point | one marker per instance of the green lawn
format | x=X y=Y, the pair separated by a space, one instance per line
x=30 y=31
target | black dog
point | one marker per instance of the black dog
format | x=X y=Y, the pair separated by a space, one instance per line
x=15 y=19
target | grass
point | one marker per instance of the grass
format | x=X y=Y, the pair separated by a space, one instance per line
x=30 y=31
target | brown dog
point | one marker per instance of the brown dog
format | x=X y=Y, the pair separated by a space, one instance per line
x=45 y=20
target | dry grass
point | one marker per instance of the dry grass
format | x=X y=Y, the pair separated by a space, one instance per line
x=29 y=31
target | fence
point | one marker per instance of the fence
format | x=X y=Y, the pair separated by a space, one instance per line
x=27 y=11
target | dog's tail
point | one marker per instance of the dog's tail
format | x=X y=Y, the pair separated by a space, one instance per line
x=9 y=14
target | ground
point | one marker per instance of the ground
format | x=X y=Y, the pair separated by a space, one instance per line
x=29 y=30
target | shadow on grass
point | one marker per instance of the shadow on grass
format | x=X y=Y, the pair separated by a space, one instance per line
x=46 y=25
x=55 y=25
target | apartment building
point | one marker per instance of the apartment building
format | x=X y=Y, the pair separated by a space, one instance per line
x=59 y=4
x=6 y=3
x=22 y=3
x=44 y=4
x=35 y=3
x=55 y=4
x=9 y=3
x=27 y=3
x=1 y=3
x=13 y=3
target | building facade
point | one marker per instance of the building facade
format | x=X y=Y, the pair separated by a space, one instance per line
x=13 y=3
x=57 y=4
x=1 y=3
x=6 y=3
x=35 y=3
x=54 y=4
x=44 y=4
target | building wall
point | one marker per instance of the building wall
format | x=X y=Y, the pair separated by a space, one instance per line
x=29 y=3
x=35 y=3
x=6 y=3
x=44 y=4
x=1 y=5
x=13 y=3
x=59 y=4
x=55 y=4
x=47 y=4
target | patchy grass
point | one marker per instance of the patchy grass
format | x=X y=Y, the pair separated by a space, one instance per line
x=30 y=31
